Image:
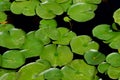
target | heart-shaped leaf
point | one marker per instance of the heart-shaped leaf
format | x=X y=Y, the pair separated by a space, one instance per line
x=32 y=46
x=94 y=57
x=12 y=59
x=83 y=43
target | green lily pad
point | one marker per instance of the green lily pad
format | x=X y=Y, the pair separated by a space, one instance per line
x=32 y=70
x=103 y=67
x=94 y=57
x=18 y=6
x=81 y=12
x=53 y=7
x=5 y=5
x=88 y=1
x=32 y=46
x=41 y=35
x=12 y=59
x=113 y=72
x=83 y=43
x=116 y=16
x=78 y=70
x=4 y=71
x=3 y=17
x=61 y=1
x=65 y=36
x=103 y=32
x=6 y=27
x=53 y=74
x=48 y=23
x=113 y=59
x=44 y=13
x=57 y=55
x=8 y=76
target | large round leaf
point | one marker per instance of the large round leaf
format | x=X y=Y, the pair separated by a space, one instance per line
x=53 y=7
x=83 y=43
x=94 y=57
x=12 y=59
x=113 y=59
x=31 y=71
x=81 y=12
x=44 y=13
x=32 y=46
x=78 y=70
x=57 y=55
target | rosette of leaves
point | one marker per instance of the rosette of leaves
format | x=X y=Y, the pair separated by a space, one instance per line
x=32 y=47
x=104 y=32
x=56 y=55
x=81 y=44
x=11 y=37
x=32 y=70
x=78 y=70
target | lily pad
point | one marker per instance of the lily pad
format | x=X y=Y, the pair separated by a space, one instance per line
x=3 y=17
x=5 y=5
x=12 y=59
x=8 y=76
x=113 y=59
x=81 y=12
x=116 y=16
x=33 y=69
x=94 y=57
x=32 y=46
x=57 y=55
x=78 y=70
x=83 y=43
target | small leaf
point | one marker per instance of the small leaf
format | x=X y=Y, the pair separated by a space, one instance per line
x=113 y=59
x=94 y=57
x=48 y=23
x=12 y=59
x=103 y=67
x=3 y=17
x=113 y=72
x=116 y=16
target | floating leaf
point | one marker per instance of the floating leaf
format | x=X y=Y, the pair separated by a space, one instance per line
x=44 y=13
x=32 y=46
x=103 y=67
x=78 y=70
x=88 y=1
x=5 y=5
x=33 y=69
x=53 y=7
x=8 y=76
x=41 y=35
x=113 y=59
x=65 y=36
x=116 y=16
x=83 y=43
x=3 y=17
x=113 y=72
x=0 y=60
x=61 y=1
x=103 y=32
x=94 y=57
x=12 y=59
x=56 y=55
x=18 y=6
x=81 y=12
x=48 y=23
x=53 y=74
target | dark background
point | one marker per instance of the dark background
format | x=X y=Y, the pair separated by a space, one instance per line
x=104 y=15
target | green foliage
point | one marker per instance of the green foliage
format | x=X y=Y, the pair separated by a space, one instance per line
x=116 y=16
x=83 y=43
x=94 y=57
x=3 y=17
